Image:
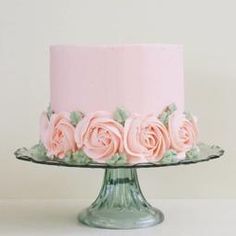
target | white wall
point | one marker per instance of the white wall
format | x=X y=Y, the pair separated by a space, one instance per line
x=204 y=27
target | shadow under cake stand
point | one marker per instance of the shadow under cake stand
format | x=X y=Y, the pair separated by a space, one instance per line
x=120 y=203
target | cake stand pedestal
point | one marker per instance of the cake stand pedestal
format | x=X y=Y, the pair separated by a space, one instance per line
x=120 y=203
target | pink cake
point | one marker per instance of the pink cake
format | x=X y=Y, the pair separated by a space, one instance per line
x=117 y=104
x=142 y=78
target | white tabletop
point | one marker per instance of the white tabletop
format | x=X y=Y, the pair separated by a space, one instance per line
x=58 y=217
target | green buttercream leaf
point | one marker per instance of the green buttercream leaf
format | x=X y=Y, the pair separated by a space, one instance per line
x=117 y=159
x=75 y=117
x=22 y=152
x=188 y=116
x=171 y=108
x=120 y=115
x=164 y=116
x=49 y=111
x=193 y=153
x=39 y=152
x=69 y=154
x=169 y=157
x=67 y=159
x=77 y=158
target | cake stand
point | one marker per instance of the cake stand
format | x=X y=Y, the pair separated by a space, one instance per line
x=120 y=203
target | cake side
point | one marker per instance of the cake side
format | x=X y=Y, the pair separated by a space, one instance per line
x=117 y=104
x=142 y=78
x=118 y=138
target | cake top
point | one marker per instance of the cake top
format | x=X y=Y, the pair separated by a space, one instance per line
x=126 y=45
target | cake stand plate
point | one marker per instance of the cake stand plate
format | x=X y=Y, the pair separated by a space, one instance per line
x=120 y=203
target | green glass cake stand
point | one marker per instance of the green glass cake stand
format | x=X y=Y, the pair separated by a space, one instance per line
x=120 y=203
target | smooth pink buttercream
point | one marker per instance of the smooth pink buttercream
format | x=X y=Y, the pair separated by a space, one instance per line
x=99 y=136
x=143 y=78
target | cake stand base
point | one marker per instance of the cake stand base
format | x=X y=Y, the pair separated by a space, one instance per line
x=120 y=203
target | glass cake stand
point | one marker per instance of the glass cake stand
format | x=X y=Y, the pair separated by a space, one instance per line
x=120 y=203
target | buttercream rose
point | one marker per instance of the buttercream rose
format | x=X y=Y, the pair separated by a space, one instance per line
x=183 y=132
x=145 y=138
x=99 y=135
x=57 y=134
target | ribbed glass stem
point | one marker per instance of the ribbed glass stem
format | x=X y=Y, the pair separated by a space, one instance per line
x=120 y=203
x=120 y=190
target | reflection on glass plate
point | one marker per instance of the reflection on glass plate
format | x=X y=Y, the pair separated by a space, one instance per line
x=204 y=152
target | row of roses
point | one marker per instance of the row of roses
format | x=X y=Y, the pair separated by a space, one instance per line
x=141 y=138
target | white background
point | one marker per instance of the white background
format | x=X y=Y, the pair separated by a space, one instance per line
x=206 y=29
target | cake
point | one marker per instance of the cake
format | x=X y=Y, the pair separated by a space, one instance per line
x=117 y=104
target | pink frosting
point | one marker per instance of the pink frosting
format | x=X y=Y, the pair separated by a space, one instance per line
x=183 y=132
x=136 y=76
x=99 y=135
x=145 y=138
x=57 y=135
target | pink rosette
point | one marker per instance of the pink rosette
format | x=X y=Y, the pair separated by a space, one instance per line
x=145 y=138
x=57 y=134
x=99 y=136
x=183 y=133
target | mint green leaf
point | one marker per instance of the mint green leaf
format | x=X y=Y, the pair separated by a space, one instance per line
x=69 y=154
x=23 y=152
x=77 y=158
x=171 y=108
x=117 y=159
x=188 y=116
x=49 y=111
x=120 y=115
x=39 y=152
x=168 y=157
x=67 y=160
x=193 y=153
x=75 y=117
x=164 y=116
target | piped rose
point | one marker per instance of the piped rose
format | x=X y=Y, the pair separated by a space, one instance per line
x=57 y=134
x=145 y=138
x=99 y=136
x=183 y=132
